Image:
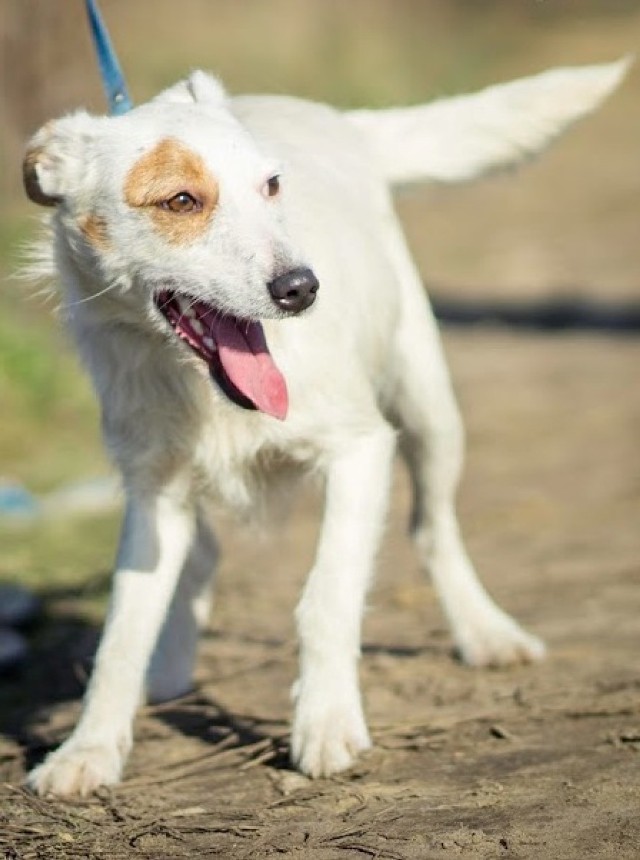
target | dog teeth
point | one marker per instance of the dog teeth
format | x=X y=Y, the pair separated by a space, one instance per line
x=197 y=325
x=185 y=308
x=208 y=342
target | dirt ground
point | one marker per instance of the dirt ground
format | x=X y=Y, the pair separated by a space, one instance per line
x=529 y=762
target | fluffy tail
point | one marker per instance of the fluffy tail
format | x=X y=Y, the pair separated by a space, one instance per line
x=461 y=138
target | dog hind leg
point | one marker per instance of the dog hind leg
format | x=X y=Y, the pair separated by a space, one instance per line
x=432 y=444
x=171 y=669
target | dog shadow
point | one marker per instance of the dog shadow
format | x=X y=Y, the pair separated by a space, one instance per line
x=202 y=717
x=36 y=696
x=40 y=699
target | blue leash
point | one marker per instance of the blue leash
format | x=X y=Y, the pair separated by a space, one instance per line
x=112 y=77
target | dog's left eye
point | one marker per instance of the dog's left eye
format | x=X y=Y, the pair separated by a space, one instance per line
x=182 y=202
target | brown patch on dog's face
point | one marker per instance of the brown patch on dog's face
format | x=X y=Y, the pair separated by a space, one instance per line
x=168 y=170
x=94 y=229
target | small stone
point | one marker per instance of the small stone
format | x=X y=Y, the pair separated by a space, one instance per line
x=289 y=782
x=630 y=736
x=501 y=733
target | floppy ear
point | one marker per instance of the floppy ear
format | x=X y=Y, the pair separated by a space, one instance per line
x=53 y=162
x=461 y=138
x=198 y=87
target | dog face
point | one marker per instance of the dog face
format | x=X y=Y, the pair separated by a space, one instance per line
x=174 y=208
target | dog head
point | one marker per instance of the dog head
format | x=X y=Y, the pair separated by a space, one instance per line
x=173 y=208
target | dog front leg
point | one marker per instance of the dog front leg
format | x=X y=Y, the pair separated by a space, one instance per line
x=329 y=728
x=156 y=537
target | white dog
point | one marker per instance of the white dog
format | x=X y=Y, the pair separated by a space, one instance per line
x=191 y=237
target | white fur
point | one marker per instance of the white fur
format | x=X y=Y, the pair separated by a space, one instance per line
x=362 y=366
x=458 y=139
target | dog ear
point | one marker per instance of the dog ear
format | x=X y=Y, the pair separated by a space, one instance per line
x=206 y=88
x=54 y=157
x=198 y=87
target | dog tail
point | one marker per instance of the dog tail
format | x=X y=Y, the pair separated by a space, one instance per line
x=461 y=138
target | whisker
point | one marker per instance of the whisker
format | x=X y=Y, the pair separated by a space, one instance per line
x=188 y=308
x=163 y=305
x=171 y=296
x=107 y=289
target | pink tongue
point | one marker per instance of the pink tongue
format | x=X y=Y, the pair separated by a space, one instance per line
x=246 y=360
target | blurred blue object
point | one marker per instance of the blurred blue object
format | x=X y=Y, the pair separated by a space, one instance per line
x=89 y=496
x=13 y=649
x=17 y=502
x=18 y=606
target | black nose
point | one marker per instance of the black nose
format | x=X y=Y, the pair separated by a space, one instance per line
x=295 y=291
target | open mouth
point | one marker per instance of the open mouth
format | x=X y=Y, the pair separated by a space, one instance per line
x=234 y=349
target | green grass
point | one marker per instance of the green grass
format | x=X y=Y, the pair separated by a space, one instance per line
x=49 y=428
x=59 y=558
x=30 y=374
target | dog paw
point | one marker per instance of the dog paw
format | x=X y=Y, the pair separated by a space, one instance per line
x=77 y=770
x=497 y=640
x=325 y=738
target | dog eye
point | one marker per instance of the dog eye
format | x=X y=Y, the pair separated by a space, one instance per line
x=272 y=186
x=181 y=203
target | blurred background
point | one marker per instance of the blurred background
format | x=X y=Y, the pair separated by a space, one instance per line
x=565 y=225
